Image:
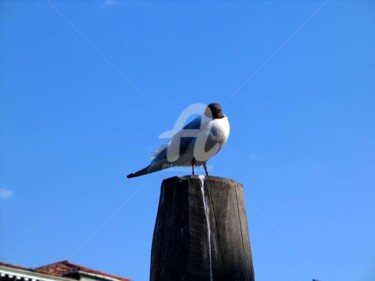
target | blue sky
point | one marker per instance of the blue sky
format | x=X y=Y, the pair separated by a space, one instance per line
x=88 y=86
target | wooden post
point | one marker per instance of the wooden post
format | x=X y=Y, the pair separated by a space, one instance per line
x=201 y=231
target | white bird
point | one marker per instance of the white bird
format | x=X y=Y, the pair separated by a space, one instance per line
x=194 y=144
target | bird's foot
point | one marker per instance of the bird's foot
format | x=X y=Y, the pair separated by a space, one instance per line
x=205 y=168
x=193 y=166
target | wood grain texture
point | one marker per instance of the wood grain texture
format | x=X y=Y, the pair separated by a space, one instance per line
x=181 y=248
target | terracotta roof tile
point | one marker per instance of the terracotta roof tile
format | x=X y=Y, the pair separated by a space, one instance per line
x=64 y=267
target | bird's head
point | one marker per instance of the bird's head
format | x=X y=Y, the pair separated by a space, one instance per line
x=214 y=111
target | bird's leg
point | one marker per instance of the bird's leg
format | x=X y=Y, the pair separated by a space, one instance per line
x=205 y=168
x=193 y=166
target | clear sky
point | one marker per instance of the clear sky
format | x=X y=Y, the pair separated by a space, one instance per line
x=88 y=86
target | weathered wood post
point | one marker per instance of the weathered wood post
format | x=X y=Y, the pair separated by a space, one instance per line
x=201 y=231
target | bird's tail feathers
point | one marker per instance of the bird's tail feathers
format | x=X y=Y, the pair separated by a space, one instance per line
x=153 y=167
x=139 y=173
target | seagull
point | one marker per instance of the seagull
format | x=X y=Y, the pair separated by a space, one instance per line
x=194 y=144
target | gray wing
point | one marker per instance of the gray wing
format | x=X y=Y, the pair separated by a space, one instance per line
x=212 y=140
x=194 y=124
x=161 y=153
x=185 y=142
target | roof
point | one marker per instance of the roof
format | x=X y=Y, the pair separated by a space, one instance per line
x=15 y=266
x=12 y=272
x=64 y=269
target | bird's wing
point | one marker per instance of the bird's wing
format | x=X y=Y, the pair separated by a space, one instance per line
x=186 y=137
x=206 y=144
x=160 y=154
x=195 y=124
x=212 y=139
x=181 y=141
x=159 y=151
x=186 y=143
